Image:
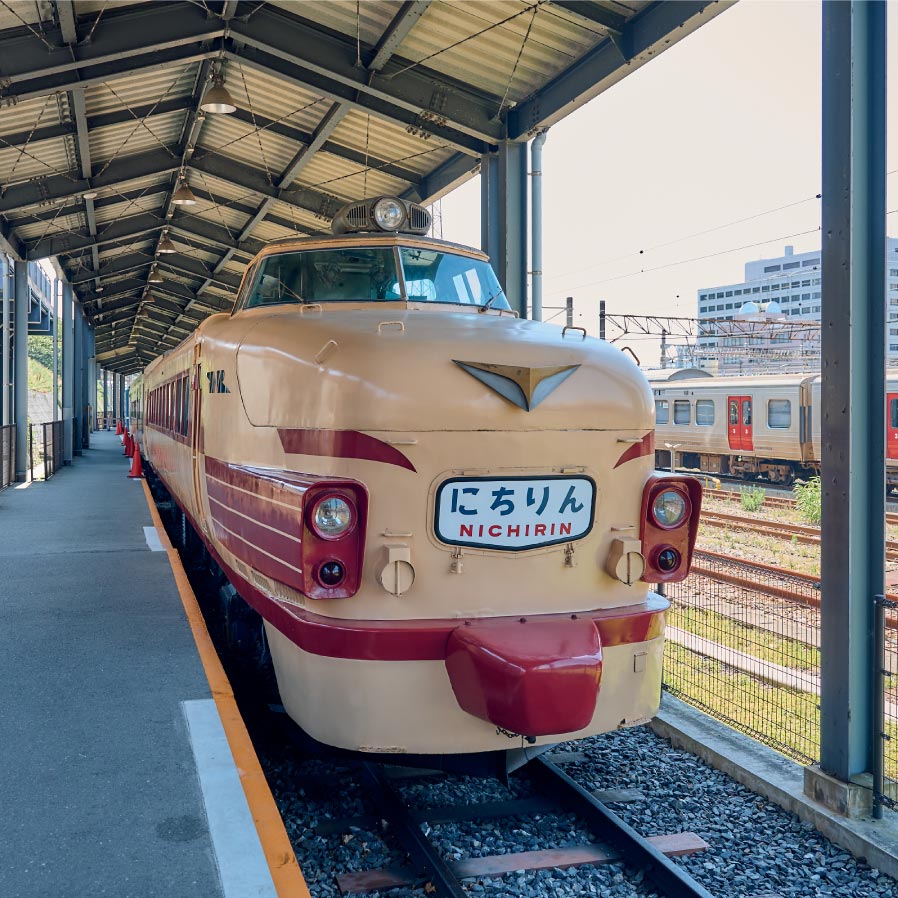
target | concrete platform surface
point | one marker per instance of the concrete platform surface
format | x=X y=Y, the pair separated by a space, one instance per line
x=100 y=790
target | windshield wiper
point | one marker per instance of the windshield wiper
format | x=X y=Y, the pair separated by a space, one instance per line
x=490 y=301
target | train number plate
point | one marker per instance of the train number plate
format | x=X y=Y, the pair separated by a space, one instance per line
x=514 y=513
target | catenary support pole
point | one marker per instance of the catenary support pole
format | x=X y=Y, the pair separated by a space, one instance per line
x=22 y=303
x=68 y=374
x=853 y=374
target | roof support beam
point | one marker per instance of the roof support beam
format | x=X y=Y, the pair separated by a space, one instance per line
x=397 y=31
x=407 y=93
x=42 y=191
x=334 y=149
x=69 y=243
x=453 y=172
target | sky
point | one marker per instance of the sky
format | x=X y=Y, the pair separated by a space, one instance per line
x=721 y=127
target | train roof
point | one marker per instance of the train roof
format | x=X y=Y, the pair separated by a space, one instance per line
x=738 y=382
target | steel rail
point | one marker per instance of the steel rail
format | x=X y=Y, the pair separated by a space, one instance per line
x=391 y=805
x=634 y=849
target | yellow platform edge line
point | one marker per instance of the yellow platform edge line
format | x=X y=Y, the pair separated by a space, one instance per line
x=285 y=871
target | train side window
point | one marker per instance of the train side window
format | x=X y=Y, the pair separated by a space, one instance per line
x=682 y=411
x=734 y=413
x=779 y=413
x=662 y=411
x=704 y=412
x=746 y=412
x=893 y=413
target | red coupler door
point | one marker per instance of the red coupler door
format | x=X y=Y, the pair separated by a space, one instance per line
x=534 y=678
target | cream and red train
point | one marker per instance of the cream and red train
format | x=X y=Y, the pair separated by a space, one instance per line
x=447 y=516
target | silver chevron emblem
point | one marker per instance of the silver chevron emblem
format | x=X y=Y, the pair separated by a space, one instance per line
x=524 y=387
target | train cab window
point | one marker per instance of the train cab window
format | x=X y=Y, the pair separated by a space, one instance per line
x=682 y=411
x=333 y=275
x=432 y=275
x=662 y=411
x=704 y=412
x=779 y=413
x=746 y=412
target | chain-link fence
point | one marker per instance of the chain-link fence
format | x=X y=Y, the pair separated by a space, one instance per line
x=743 y=645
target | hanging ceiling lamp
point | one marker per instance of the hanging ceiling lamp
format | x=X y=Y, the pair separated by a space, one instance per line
x=183 y=196
x=166 y=246
x=217 y=98
x=155 y=277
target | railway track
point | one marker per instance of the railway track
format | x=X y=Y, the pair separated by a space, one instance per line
x=556 y=793
x=800 y=533
x=775 y=501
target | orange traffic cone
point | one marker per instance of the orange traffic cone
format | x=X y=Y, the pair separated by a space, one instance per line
x=119 y=430
x=136 y=465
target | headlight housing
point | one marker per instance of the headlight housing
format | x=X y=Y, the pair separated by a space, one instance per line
x=670 y=508
x=389 y=214
x=332 y=517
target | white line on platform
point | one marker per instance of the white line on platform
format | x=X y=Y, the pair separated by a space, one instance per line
x=152 y=537
x=238 y=853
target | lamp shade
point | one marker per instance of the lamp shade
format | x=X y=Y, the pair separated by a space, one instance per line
x=183 y=196
x=217 y=98
x=166 y=246
x=155 y=277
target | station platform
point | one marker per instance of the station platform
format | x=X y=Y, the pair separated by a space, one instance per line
x=117 y=774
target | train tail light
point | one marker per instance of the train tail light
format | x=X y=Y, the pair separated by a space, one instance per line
x=670 y=511
x=333 y=539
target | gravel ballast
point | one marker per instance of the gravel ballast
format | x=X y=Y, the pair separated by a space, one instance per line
x=756 y=848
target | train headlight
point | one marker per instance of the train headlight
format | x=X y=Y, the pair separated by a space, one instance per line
x=332 y=517
x=670 y=509
x=389 y=214
x=668 y=560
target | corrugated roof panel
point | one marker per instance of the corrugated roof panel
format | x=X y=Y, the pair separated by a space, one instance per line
x=43 y=159
x=367 y=20
x=35 y=113
x=135 y=136
x=268 y=231
x=148 y=184
x=391 y=142
x=479 y=44
x=114 y=212
x=222 y=189
x=59 y=225
x=222 y=215
x=141 y=89
x=266 y=95
x=262 y=150
x=346 y=179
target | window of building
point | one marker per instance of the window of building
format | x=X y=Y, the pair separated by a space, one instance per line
x=662 y=411
x=805 y=295
x=765 y=289
x=682 y=411
x=770 y=268
x=807 y=263
x=816 y=294
x=789 y=265
x=779 y=413
x=795 y=285
x=755 y=289
x=806 y=283
x=704 y=412
x=737 y=293
x=719 y=296
x=893 y=331
x=816 y=308
x=893 y=272
x=729 y=305
x=729 y=293
x=816 y=282
x=893 y=347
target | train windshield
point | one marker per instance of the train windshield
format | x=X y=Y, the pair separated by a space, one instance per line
x=375 y=274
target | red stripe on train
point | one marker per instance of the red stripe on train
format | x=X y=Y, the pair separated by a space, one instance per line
x=342 y=444
x=646 y=446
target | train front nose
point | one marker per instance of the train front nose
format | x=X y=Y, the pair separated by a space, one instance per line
x=534 y=678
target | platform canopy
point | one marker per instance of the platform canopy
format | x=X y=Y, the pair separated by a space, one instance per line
x=336 y=100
